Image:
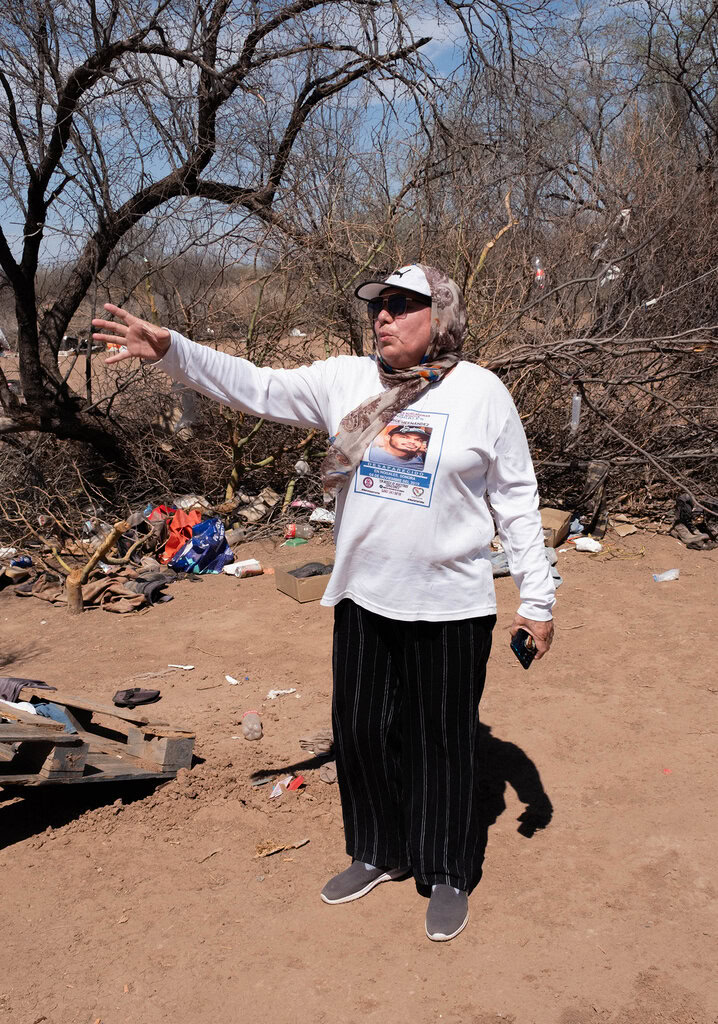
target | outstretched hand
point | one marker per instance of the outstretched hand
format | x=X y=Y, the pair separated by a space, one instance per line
x=542 y=632
x=143 y=339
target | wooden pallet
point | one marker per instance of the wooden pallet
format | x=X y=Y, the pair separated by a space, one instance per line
x=111 y=744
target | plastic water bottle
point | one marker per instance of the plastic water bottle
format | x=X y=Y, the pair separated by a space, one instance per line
x=301 y=530
x=539 y=272
x=575 y=412
x=251 y=726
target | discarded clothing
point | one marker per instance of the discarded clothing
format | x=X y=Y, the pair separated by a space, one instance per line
x=21 y=705
x=10 y=686
x=54 y=711
x=151 y=584
x=11 y=575
x=111 y=593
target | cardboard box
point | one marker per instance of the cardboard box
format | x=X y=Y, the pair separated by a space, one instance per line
x=555 y=524
x=309 y=589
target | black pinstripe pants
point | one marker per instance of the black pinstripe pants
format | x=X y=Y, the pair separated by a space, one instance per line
x=405 y=717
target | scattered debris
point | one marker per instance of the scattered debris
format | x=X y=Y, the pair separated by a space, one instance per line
x=251 y=726
x=667 y=576
x=289 y=782
x=232 y=681
x=280 y=786
x=322 y=515
x=242 y=570
x=625 y=529
x=235 y=536
x=555 y=523
x=588 y=544
x=187 y=668
x=267 y=849
x=299 y=530
x=213 y=853
x=273 y=694
x=260 y=506
x=134 y=696
x=328 y=772
x=689 y=528
x=190 y=501
x=320 y=742
x=206 y=551
x=260 y=778
x=305 y=583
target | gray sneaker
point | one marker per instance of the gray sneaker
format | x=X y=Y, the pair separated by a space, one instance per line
x=358 y=880
x=447 y=913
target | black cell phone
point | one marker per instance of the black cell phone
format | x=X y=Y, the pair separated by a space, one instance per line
x=524 y=647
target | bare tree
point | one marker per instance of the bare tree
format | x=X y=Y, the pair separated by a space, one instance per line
x=120 y=113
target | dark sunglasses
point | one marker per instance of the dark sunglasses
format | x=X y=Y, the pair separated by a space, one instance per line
x=396 y=305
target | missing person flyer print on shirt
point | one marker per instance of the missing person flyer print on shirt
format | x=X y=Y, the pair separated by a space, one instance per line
x=401 y=462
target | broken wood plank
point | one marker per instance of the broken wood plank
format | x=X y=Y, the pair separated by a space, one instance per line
x=110 y=767
x=14 y=732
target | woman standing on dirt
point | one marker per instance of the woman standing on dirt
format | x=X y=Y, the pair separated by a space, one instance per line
x=412 y=585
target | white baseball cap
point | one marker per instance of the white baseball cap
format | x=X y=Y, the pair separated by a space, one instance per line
x=410 y=279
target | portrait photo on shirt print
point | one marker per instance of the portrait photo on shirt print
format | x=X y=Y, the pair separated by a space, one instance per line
x=401 y=443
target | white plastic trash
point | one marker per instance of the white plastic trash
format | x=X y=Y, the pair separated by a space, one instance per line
x=322 y=515
x=667 y=576
x=588 y=544
x=575 y=412
x=249 y=567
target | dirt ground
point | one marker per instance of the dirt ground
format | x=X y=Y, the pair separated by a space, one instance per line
x=123 y=905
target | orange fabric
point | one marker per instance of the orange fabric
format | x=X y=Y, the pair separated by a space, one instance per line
x=180 y=527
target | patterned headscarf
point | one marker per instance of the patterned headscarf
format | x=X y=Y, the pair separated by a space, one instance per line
x=359 y=427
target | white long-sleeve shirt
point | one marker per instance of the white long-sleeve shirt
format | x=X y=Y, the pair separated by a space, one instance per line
x=412 y=542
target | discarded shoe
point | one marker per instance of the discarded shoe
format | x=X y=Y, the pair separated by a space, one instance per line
x=447 y=913
x=358 y=880
x=134 y=696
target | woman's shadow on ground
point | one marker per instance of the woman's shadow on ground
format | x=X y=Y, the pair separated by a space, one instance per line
x=503 y=764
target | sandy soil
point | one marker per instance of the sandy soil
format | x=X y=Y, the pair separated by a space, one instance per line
x=127 y=905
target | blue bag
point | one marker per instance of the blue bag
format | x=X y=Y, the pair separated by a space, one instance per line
x=208 y=551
